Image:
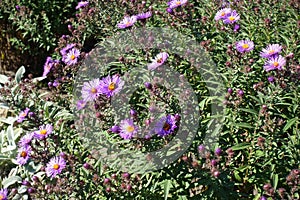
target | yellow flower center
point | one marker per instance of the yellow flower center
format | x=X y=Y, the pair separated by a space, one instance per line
x=56 y=166
x=128 y=23
x=245 y=46
x=23 y=114
x=23 y=155
x=111 y=86
x=159 y=60
x=231 y=18
x=1 y=197
x=178 y=2
x=93 y=90
x=73 y=57
x=167 y=127
x=43 y=132
x=129 y=128
x=271 y=51
x=223 y=14
x=276 y=64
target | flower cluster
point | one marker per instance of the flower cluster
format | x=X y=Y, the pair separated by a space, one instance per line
x=227 y=15
x=129 y=21
x=275 y=61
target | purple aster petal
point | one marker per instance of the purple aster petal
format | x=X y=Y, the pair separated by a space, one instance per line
x=26 y=140
x=159 y=60
x=82 y=4
x=55 y=166
x=127 y=129
x=144 y=15
x=232 y=17
x=23 y=155
x=177 y=3
x=245 y=46
x=71 y=57
x=127 y=22
x=271 y=51
x=165 y=126
x=3 y=194
x=23 y=114
x=275 y=63
x=48 y=65
x=91 y=90
x=66 y=49
x=111 y=85
x=223 y=13
x=43 y=132
x=80 y=104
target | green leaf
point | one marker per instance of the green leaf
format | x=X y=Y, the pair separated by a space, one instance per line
x=244 y=125
x=167 y=185
x=275 y=181
x=290 y=123
x=10 y=181
x=19 y=74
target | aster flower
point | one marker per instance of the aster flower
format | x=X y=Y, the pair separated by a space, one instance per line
x=232 y=18
x=223 y=14
x=271 y=50
x=48 y=65
x=3 y=194
x=22 y=115
x=82 y=4
x=71 y=57
x=165 y=126
x=111 y=85
x=244 y=46
x=275 y=63
x=66 y=49
x=23 y=155
x=55 y=166
x=144 y=15
x=158 y=60
x=80 y=104
x=26 y=140
x=91 y=90
x=176 y=3
x=127 y=129
x=127 y=22
x=43 y=131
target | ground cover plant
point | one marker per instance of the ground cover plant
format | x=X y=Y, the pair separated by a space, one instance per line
x=178 y=99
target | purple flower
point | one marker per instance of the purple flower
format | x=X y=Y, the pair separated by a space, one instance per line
x=127 y=22
x=240 y=93
x=115 y=129
x=148 y=85
x=223 y=14
x=80 y=104
x=218 y=151
x=82 y=4
x=55 y=166
x=66 y=49
x=127 y=129
x=22 y=115
x=91 y=90
x=23 y=155
x=144 y=15
x=232 y=18
x=271 y=51
x=26 y=140
x=71 y=57
x=111 y=85
x=201 y=148
x=244 y=46
x=165 y=126
x=55 y=83
x=176 y=3
x=169 y=10
x=3 y=194
x=271 y=79
x=43 y=131
x=158 y=60
x=275 y=63
x=48 y=65
x=236 y=27
x=263 y=198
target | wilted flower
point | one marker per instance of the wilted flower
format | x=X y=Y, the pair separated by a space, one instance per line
x=82 y=4
x=158 y=60
x=91 y=90
x=271 y=51
x=26 y=140
x=71 y=57
x=176 y=3
x=22 y=115
x=275 y=63
x=3 y=194
x=165 y=126
x=111 y=85
x=127 y=129
x=244 y=46
x=127 y=22
x=55 y=166
x=222 y=14
x=48 y=65
x=43 y=131
x=144 y=15
x=23 y=155
x=232 y=17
